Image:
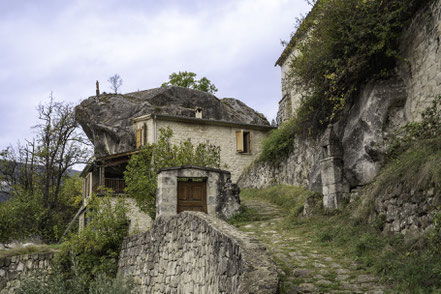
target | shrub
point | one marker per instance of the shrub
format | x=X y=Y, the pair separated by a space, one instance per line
x=140 y=174
x=343 y=44
x=94 y=251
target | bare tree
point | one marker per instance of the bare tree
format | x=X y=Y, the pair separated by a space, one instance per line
x=58 y=146
x=115 y=82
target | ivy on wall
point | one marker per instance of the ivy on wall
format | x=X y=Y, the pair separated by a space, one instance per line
x=342 y=45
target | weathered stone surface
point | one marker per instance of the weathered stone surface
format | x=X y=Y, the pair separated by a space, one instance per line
x=222 y=196
x=382 y=107
x=401 y=209
x=107 y=119
x=17 y=268
x=193 y=252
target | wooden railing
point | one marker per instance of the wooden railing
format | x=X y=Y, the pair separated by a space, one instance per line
x=117 y=185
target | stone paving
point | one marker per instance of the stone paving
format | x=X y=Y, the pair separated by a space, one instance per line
x=303 y=266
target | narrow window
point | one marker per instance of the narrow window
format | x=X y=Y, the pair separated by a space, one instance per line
x=243 y=141
x=138 y=138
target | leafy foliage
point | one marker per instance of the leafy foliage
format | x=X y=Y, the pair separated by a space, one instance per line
x=25 y=217
x=279 y=143
x=140 y=174
x=94 y=251
x=37 y=175
x=343 y=44
x=188 y=80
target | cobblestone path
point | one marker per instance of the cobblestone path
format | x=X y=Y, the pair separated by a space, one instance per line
x=305 y=267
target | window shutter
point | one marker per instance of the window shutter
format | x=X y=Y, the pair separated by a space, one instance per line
x=138 y=138
x=239 y=141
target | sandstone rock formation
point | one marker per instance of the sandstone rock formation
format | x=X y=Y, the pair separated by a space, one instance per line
x=382 y=107
x=107 y=119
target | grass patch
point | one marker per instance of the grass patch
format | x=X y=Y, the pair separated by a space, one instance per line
x=290 y=198
x=32 y=249
x=407 y=266
x=247 y=214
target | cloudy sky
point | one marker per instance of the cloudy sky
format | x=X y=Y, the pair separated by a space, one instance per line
x=64 y=46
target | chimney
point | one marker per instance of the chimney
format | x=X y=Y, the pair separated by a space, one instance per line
x=97 y=88
x=198 y=112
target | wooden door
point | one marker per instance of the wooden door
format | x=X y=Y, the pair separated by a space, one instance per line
x=192 y=196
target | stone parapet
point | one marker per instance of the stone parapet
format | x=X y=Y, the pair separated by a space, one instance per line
x=193 y=252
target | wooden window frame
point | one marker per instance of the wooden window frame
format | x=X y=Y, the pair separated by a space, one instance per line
x=242 y=137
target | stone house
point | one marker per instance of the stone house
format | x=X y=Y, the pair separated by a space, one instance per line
x=239 y=142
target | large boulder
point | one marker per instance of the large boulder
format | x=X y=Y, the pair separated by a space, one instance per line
x=107 y=119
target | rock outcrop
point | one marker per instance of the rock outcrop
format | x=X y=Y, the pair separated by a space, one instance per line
x=107 y=119
x=382 y=107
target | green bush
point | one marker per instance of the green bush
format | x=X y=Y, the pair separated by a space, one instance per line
x=24 y=217
x=95 y=250
x=141 y=172
x=347 y=43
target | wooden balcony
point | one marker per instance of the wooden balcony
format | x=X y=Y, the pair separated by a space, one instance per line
x=117 y=185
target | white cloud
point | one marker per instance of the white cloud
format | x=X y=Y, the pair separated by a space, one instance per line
x=48 y=46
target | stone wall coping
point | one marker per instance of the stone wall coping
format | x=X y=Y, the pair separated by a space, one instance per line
x=194 y=167
x=257 y=271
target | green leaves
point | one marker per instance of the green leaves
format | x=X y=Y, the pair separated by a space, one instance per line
x=351 y=41
x=140 y=174
x=188 y=80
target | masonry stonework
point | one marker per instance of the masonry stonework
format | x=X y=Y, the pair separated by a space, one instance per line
x=15 y=269
x=193 y=252
x=224 y=137
x=222 y=196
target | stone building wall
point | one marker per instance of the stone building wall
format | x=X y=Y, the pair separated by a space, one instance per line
x=193 y=252
x=222 y=136
x=222 y=197
x=14 y=269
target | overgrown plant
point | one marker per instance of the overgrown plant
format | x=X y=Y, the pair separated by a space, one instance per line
x=94 y=251
x=140 y=174
x=342 y=45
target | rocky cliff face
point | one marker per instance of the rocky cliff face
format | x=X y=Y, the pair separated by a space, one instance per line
x=107 y=119
x=381 y=109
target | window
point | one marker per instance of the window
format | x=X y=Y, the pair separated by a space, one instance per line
x=243 y=141
x=141 y=136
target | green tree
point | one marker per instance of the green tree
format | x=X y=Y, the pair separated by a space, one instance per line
x=38 y=173
x=188 y=80
x=140 y=175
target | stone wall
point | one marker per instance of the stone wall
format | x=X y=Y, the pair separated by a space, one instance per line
x=193 y=252
x=222 y=136
x=301 y=168
x=14 y=269
x=406 y=211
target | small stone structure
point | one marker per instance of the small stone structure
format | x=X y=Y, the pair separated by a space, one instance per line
x=219 y=196
x=14 y=269
x=331 y=167
x=193 y=252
